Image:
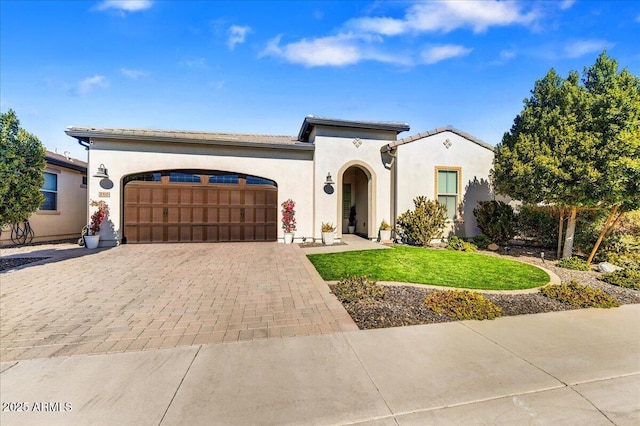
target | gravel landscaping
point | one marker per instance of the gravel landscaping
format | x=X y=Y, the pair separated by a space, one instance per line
x=6 y=264
x=404 y=305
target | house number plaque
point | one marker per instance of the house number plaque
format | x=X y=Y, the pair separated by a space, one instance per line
x=105 y=194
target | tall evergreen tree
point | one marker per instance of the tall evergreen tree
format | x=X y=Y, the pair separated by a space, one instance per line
x=575 y=145
x=22 y=162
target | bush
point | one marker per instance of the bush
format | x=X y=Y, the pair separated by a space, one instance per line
x=423 y=224
x=538 y=225
x=459 y=244
x=482 y=241
x=574 y=263
x=462 y=304
x=579 y=296
x=496 y=220
x=627 y=278
x=359 y=289
x=628 y=261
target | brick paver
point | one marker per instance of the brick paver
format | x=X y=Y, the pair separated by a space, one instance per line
x=141 y=297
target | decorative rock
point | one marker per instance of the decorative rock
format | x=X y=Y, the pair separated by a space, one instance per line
x=608 y=267
x=493 y=247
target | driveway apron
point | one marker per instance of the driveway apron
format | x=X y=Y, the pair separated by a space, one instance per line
x=140 y=297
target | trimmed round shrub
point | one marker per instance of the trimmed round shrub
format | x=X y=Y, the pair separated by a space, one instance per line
x=359 y=289
x=462 y=304
x=579 y=296
x=627 y=278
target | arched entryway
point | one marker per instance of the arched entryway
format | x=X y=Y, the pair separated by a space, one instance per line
x=356 y=197
x=199 y=206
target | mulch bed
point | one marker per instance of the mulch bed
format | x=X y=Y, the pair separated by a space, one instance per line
x=404 y=305
x=6 y=264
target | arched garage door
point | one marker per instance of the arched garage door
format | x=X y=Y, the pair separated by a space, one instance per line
x=200 y=206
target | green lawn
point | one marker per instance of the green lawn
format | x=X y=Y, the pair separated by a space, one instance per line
x=429 y=266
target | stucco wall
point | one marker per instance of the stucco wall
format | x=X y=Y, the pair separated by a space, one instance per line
x=291 y=170
x=70 y=216
x=335 y=153
x=416 y=165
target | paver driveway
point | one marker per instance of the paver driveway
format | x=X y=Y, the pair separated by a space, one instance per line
x=138 y=297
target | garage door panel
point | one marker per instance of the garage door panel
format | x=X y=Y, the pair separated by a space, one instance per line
x=165 y=211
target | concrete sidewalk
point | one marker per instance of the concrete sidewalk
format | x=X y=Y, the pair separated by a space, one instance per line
x=573 y=367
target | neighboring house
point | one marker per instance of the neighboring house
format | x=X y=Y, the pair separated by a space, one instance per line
x=179 y=186
x=64 y=210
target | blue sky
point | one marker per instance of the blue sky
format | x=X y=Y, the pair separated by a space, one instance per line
x=261 y=67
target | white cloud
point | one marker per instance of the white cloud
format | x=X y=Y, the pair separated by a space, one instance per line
x=125 y=5
x=195 y=63
x=566 y=4
x=337 y=50
x=133 y=74
x=446 y=16
x=579 y=48
x=436 y=54
x=88 y=84
x=237 y=35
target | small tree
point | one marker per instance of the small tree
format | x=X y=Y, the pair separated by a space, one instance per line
x=22 y=162
x=423 y=224
x=496 y=220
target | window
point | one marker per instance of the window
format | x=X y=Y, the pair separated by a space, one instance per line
x=50 y=192
x=233 y=179
x=447 y=186
x=84 y=180
x=253 y=180
x=346 y=200
x=177 y=177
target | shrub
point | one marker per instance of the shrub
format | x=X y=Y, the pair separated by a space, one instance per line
x=384 y=226
x=627 y=278
x=482 y=241
x=496 y=220
x=462 y=304
x=579 y=296
x=423 y=224
x=359 y=289
x=574 y=263
x=627 y=260
x=538 y=225
x=459 y=244
x=328 y=227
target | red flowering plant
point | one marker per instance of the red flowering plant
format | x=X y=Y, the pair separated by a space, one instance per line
x=288 y=215
x=98 y=216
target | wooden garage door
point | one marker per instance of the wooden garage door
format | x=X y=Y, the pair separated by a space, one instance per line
x=189 y=207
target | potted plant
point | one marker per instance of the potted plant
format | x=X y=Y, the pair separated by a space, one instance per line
x=327 y=233
x=352 y=220
x=385 y=231
x=288 y=220
x=92 y=238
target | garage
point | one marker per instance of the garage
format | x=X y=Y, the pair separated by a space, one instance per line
x=199 y=206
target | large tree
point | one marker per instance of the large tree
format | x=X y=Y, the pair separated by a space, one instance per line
x=575 y=144
x=22 y=162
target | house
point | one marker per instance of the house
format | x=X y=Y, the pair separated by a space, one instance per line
x=180 y=186
x=64 y=210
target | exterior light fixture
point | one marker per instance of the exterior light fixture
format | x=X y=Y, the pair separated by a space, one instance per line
x=102 y=172
x=329 y=181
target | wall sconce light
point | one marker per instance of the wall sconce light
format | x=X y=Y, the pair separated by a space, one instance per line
x=329 y=181
x=102 y=172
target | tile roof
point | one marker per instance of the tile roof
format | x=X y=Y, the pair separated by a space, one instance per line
x=211 y=138
x=441 y=130
x=64 y=161
x=312 y=120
